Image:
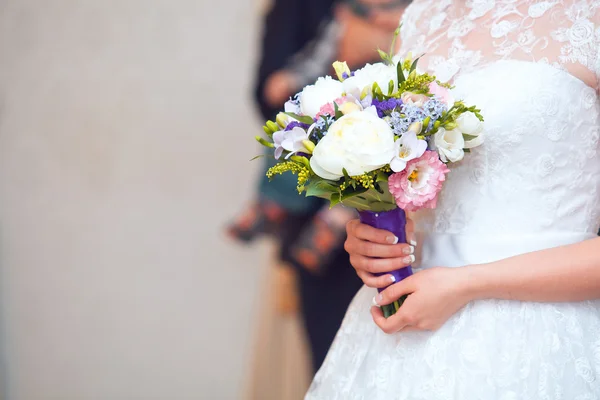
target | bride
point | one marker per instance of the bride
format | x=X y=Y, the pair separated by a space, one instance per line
x=506 y=303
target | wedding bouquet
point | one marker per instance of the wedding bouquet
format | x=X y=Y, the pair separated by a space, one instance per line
x=377 y=139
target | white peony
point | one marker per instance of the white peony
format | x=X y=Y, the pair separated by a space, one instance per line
x=450 y=145
x=469 y=124
x=324 y=91
x=365 y=78
x=358 y=142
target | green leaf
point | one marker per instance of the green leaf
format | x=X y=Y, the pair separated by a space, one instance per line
x=338 y=113
x=304 y=119
x=401 y=77
x=257 y=157
x=377 y=93
x=321 y=188
x=391 y=88
x=335 y=200
x=469 y=137
x=301 y=160
x=414 y=64
x=264 y=142
x=467 y=150
x=381 y=177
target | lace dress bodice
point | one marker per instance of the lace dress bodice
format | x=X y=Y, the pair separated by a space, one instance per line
x=461 y=35
x=533 y=68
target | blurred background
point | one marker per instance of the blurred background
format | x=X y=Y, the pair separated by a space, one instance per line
x=141 y=254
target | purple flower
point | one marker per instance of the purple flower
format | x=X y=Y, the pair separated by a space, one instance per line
x=296 y=124
x=384 y=107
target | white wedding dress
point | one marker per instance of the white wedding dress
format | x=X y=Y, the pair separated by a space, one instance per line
x=533 y=67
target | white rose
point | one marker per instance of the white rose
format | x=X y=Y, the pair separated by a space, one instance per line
x=324 y=91
x=368 y=75
x=359 y=142
x=450 y=145
x=469 y=124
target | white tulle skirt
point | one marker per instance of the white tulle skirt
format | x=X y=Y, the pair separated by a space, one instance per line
x=492 y=349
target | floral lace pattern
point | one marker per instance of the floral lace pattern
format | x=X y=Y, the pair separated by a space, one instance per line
x=533 y=68
x=461 y=35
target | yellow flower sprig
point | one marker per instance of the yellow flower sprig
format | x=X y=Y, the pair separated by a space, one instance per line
x=301 y=170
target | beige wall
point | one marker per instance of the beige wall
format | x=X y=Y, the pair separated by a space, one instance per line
x=119 y=162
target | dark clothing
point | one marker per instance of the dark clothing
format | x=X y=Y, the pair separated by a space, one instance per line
x=324 y=296
x=289 y=26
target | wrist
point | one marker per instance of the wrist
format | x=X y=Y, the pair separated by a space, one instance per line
x=474 y=278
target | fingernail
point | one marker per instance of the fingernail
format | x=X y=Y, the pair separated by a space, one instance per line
x=409 y=250
x=377 y=300
x=410 y=259
x=413 y=242
x=392 y=239
x=392 y=278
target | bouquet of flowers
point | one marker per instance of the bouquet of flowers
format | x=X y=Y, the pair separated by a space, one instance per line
x=377 y=139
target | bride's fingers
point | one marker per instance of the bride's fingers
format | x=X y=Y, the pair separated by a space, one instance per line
x=394 y=292
x=375 y=281
x=366 y=232
x=392 y=324
x=369 y=249
x=379 y=265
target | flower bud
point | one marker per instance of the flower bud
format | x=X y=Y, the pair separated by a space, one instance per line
x=341 y=70
x=416 y=127
x=310 y=146
x=282 y=120
x=272 y=126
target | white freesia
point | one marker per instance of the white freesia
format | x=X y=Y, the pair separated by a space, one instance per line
x=407 y=148
x=450 y=145
x=358 y=142
x=291 y=106
x=292 y=141
x=364 y=78
x=324 y=91
x=469 y=124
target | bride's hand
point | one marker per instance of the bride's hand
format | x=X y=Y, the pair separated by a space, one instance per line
x=434 y=296
x=377 y=251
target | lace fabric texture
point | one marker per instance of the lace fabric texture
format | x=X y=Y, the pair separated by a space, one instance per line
x=533 y=68
x=458 y=36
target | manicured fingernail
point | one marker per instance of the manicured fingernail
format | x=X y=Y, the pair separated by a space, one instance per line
x=413 y=242
x=392 y=278
x=392 y=239
x=377 y=299
x=410 y=259
x=409 y=250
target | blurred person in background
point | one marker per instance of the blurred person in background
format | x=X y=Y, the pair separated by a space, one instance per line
x=301 y=40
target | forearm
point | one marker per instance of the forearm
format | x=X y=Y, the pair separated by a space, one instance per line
x=567 y=273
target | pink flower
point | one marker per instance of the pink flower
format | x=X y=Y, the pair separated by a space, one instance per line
x=419 y=184
x=442 y=93
x=326 y=109
x=329 y=108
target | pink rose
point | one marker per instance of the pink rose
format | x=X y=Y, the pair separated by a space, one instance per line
x=441 y=93
x=418 y=185
x=414 y=99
